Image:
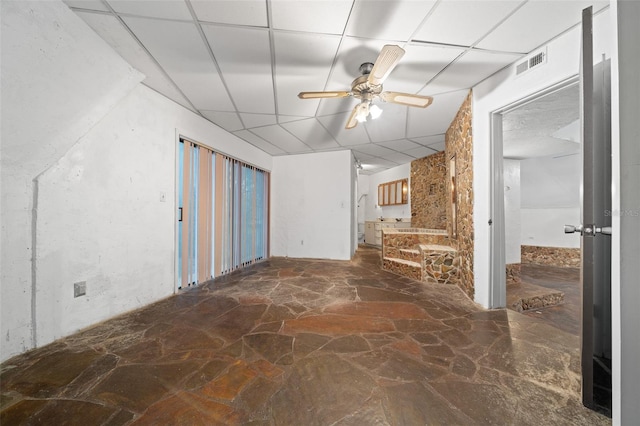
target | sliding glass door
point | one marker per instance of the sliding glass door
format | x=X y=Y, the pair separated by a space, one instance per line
x=222 y=214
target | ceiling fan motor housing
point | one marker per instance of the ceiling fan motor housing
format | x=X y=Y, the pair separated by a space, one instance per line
x=363 y=89
x=365 y=69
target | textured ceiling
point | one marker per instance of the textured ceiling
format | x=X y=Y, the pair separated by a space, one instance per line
x=547 y=126
x=241 y=63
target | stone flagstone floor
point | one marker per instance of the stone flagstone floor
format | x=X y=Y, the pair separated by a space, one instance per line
x=304 y=342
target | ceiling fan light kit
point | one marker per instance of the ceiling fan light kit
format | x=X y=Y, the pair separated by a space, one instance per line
x=368 y=87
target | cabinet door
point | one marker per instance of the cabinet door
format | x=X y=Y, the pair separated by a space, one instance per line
x=399 y=192
x=392 y=195
x=380 y=195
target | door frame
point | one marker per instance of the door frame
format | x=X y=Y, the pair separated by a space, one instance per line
x=497 y=256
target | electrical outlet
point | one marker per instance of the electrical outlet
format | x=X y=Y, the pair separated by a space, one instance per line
x=79 y=289
x=163 y=197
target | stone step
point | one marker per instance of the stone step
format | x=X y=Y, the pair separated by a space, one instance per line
x=410 y=254
x=526 y=296
x=404 y=267
x=413 y=251
x=538 y=302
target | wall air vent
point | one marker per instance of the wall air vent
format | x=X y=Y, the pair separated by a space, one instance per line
x=532 y=61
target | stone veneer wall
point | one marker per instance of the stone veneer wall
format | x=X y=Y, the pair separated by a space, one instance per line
x=429 y=192
x=513 y=273
x=552 y=256
x=459 y=141
x=393 y=243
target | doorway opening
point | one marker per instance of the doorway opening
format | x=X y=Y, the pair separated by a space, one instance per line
x=541 y=165
x=537 y=189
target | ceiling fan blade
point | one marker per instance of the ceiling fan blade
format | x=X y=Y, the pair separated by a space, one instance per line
x=406 y=99
x=352 y=122
x=316 y=95
x=387 y=60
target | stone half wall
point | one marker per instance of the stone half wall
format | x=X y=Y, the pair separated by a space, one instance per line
x=459 y=141
x=552 y=256
x=429 y=192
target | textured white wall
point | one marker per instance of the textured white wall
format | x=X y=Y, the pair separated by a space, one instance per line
x=311 y=205
x=544 y=227
x=100 y=218
x=550 y=200
x=625 y=239
x=58 y=80
x=512 y=220
x=89 y=150
x=363 y=188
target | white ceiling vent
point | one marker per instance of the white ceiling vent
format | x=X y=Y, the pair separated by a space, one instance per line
x=534 y=60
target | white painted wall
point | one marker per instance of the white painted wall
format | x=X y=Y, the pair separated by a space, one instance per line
x=625 y=247
x=100 y=218
x=58 y=80
x=311 y=205
x=544 y=227
x=354 y=205
x=90 y=150
x=363 y=189
x=372 y=210
x=505 y=88
x=550 y=200
x=512 y=218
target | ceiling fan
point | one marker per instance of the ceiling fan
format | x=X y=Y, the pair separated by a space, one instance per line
x=368 y=87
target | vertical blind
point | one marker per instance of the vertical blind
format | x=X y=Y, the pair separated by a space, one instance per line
x=223 y=214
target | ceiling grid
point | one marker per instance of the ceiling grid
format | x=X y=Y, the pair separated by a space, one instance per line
x=241 y=64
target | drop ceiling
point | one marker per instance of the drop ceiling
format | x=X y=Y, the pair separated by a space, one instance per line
x=241 y=63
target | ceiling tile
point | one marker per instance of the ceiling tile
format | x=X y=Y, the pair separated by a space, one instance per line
x=473 y=67
x=375 y=150
x=524 y=31
x=87 y=4
x=180 y=50
x=398 y=157
x=380 y=130
x=335 y=125
x=335 y=106
x=381 y=163
x=289 y=118
x=258 y=142
x=303 y=62
x=258 y=120
x=435 y=121
x=318 y=16
x=110 y=29
x=473 y=19
x=362 y=155
x=279 y=137
x=420 y=64
x=399 y=145
x=152 y=8
x=430 y=140
x=421 y=152
x=312 y=132
x=227 y=120
x=245 y=12
x=440 y=146
x=244 y=58
x=386 y=19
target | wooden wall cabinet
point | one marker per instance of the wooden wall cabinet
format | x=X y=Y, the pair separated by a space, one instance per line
x=393 y=193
